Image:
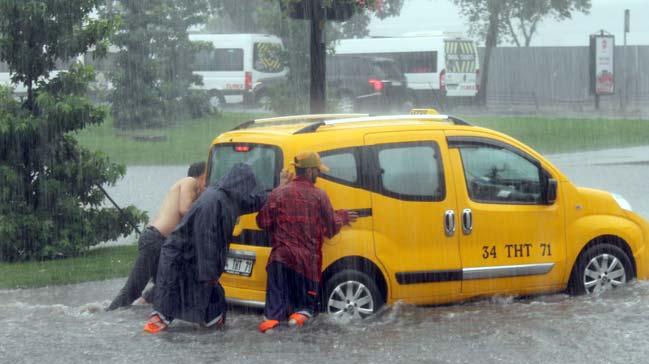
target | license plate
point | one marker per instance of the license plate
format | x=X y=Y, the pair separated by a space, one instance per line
x=240 y=262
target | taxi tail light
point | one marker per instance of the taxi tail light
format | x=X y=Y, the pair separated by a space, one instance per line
x=442 y=80
x=377 y=85
x=247 y=81
x=242 y=148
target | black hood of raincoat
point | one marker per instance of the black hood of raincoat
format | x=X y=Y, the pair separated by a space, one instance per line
x=239 y=183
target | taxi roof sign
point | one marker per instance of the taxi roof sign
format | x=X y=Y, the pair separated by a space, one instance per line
x=429 y=111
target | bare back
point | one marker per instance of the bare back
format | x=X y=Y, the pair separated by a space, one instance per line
x=175 y=204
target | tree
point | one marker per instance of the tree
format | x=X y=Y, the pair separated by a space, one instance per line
x=492 y=19
x=50 y=187
x=153 y=71
x=522 y=17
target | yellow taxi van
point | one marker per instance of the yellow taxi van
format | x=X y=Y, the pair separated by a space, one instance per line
x=447 y=211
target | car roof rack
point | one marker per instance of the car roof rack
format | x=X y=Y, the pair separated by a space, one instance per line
x=315 y=125
x=295 y=119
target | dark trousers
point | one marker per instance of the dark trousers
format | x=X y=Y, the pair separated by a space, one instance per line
x=287 y=292
x=144 y=269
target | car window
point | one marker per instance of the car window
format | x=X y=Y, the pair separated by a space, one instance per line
x=499 y=175
x=411 y=171
x=342 y=166
x=265 y=162
x=222 y=59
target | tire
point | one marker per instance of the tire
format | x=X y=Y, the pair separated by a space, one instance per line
x=346 y=103
x=600 y=268
x=264 y=101
x=216 y=102
x=351 y=295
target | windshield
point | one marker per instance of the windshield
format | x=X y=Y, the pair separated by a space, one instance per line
x=265 y=162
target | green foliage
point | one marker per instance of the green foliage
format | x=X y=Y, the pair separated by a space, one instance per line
x=516 y=19
x=50 y=202
x=152 y=75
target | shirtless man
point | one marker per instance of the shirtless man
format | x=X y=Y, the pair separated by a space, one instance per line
x=176 y=203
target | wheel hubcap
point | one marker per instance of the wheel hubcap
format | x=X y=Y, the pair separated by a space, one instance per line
x=604 y=272
x=350 y=300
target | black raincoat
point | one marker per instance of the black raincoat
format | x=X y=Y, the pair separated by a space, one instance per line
x=194 y=255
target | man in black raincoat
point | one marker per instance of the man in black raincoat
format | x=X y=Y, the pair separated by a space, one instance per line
x=193 y=257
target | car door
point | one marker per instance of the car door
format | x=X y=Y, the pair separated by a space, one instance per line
x=511 y=238
x=413 y=204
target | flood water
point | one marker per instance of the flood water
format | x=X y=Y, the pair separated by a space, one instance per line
x=68 y=324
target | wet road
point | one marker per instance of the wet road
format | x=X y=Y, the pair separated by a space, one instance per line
x=67 y=324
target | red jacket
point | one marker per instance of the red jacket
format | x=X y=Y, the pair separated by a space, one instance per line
x=298 y=216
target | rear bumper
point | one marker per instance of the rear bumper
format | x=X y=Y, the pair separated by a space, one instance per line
x=245 y=297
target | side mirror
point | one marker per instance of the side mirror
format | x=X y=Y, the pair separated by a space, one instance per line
x=551 y=191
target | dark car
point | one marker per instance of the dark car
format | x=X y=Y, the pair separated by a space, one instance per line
x=362 y=83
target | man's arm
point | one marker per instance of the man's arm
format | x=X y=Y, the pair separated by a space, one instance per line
x=186 y=195
x=265 y=217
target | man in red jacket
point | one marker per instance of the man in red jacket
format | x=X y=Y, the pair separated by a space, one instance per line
x=298 y=216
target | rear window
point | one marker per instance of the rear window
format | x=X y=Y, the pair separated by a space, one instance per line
x=265 y=161
x=390 y=70
x=267 y=57
x=222 y=59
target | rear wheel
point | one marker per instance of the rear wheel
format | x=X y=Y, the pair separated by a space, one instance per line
x=350 y=295
x=264 y=101
x=216 y=101
x=346 y=103
x=600 y=268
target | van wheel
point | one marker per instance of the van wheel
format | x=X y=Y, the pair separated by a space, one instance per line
x=600 y=268
x=264 y=101
x=216 y=102
x=351 y=295
x=346 y=103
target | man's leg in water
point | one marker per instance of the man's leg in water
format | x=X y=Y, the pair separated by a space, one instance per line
x=145 y=268
x=216 y=309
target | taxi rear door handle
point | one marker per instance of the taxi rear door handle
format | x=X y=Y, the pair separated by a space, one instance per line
x=449 y=222
x=467 y=221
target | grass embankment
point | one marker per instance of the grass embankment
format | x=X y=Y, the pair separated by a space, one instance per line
x=97 y=264
x=189 y=141
x=554 y=135
x=182 y=144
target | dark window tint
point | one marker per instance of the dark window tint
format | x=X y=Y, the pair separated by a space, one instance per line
x=267 y=57
x=499 y=175
x=342 y=166
x=413 y=62
x=264 y=160
x=411 y=171
x=222 y=59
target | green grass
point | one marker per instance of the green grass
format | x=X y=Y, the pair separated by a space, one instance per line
x=98 y=264
x=553 y=135
x=184 y=143
x=189 y=140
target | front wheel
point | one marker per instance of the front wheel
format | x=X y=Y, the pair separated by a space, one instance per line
x=351 y=294
x=600 y=268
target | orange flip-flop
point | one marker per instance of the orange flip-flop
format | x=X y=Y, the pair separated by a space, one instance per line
x=155 y=324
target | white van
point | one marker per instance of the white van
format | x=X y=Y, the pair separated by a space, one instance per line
x=19 y=89
x=444 y=64
x=240 y=67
